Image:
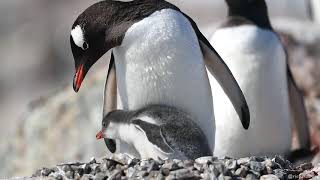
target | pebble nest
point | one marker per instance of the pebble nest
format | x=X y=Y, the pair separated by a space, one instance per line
x=121 y=167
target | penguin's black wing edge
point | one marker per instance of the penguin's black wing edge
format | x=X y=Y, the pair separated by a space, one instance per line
x=223 y=75
x=154 y=135
x=110 y=99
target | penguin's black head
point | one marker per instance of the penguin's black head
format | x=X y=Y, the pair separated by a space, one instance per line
x=102 y=27
x=116 y=116
x=255 y=11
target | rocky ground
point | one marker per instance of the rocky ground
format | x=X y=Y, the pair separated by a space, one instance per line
x=122 y=167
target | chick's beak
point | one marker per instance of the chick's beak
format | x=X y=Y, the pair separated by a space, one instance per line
x=99 y=135
x=78 y=78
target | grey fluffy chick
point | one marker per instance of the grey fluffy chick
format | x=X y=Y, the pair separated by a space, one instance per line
x=157 y=132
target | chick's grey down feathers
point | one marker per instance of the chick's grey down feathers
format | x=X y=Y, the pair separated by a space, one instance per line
x=174 y=131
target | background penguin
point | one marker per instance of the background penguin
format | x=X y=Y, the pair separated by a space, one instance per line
x=258 y=61
x=314 y=10
x=159 y=56
x=157 y=131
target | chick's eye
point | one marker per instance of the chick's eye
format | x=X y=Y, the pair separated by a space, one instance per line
x=85 y=46
x=104 y=124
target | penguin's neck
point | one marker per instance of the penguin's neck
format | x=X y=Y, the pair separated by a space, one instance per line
x=258 y=16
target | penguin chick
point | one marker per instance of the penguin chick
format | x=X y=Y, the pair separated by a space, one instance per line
x=157 y=132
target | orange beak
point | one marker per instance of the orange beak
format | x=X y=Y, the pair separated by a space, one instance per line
x=78 y=78
x=99 y=135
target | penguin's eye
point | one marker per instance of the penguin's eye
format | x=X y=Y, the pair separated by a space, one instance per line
x=85 y=46
x=104 y=124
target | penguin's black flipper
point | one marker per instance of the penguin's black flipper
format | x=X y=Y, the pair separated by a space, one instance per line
x=223 y=75
x=110 y=99
x=111 y=145
x=154 y=135
x=299 y=112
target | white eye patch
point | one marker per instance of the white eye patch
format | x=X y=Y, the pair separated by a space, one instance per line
x=78 y=37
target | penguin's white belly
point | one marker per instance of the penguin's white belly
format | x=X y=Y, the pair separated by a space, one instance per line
x=160 y=62
x=258 y=62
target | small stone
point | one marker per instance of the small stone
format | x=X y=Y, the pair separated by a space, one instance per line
x=182 y=174
x=165 y=171
x=279 y=173
x=87 y=169
x=289 y=165
x=76 y=176
x=206 y=176
x=70 y=174
x=37 y=173
x=256 y=166
x=116 y=175
x=80 y=171
x=111 y=164
x=226 y=157
x=87 y=177
x=228 y=178
x=160 y=161
x=142 y=174
x=272 y=164
x=100 y=176
x=205 y=160
x=280 y=161
x=269 y=170
x=268 y=163
x=153 y=174
x=130 y=172
x=59 y=177
x=231 y=164
x=55 y=169
x=160 y=177
x=269 y=177
x=123 y=159
x=220 y=168
x=46 y=172
x=243 y=161
x=171 y=166
x=186 y=163
x=97 y=169
x=242 y=171
x=258 y=159
x=177 y=161
x=199 y=167
x=308 y=175
x=306 y=166
x=251 y=177
x=93 y=160
x=221 y=177
x=153 y=167
x=66 y=168
x=133 y=162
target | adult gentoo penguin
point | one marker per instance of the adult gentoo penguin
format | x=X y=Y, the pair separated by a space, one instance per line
x=258 y=61
x=157 y=131
x=159 y=56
